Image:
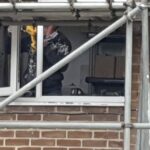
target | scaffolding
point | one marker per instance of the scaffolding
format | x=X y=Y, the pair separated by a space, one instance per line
x=127 y=18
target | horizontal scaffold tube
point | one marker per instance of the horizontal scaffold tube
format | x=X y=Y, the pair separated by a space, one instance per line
x=60 y=125
x=59 y=6
x=76 y=53
x=70 y=125
x=141 y=125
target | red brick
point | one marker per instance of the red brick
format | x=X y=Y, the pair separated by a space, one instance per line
x=133 y=147
x=116 y=144
x=133 y=132
x=136 y=43
x=42 y=109
x=27 y=134
x=107 y=149
x=122 y=118
x=133 y=139
x=94 y=143
x=7 y=117
x=79 y=134
x=136 y=59
x=80 y=149
x=136 y=50
x=134 y=120
x=54 y=134
x=136 y=68
x=80 y=117
x=7 y=148
x=106 y=135
x=1 y=142
x=121 y=135
x=134 y=105
x=70 y=143
x=15 y=109
x=135 y=78
x=29 y=148
x=117 y=110
x=53 y=148
x=68 y=109
x=29 y=117
x=135 y=86
x=17 y=142
x=6 y=133
x=51 y=117
x=135 y=95
x=105 y=117
x=134 y=113
x=42 y=142
x=94 y=109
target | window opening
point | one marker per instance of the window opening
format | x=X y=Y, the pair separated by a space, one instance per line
x=8 y=60
x=5 y=54
x=92 y=74
x=98 y=72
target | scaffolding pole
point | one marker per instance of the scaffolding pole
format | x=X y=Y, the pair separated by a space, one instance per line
x=128 y=80
x=144 y=135
x=58 y=6
x=71 y=56
x=59 y=125
x=71 y=125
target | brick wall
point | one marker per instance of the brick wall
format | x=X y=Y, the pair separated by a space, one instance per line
x=35 y=139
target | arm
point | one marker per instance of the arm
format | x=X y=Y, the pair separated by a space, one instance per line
x=55 y=52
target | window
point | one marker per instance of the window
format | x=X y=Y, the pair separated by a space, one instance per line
x=94 y=78
x=8 y=64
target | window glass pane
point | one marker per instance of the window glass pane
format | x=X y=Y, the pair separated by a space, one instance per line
x=5 y=56
x=99 y=71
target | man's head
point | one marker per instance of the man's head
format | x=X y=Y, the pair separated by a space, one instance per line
x=49 y=29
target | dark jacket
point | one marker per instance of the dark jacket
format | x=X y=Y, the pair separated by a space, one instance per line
x=56 y=49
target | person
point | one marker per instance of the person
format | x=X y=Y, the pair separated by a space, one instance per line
x=56 y=47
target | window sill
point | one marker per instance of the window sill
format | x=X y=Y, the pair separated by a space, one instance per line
x=71 y=101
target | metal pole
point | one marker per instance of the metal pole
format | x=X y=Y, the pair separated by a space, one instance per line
x=39 y=61
x=70 y=125
x=60 y=125
x=62 y=6
x=128 y=81
x=141 y=125
x=57 y=6
x=70 y=57
x=144 y=135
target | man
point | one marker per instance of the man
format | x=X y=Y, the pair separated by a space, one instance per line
x=56 y=47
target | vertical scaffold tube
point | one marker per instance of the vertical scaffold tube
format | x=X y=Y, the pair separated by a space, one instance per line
x=128 y=81
x=144 y=135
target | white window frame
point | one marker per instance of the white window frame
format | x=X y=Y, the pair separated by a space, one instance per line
x=5 y=91
x=41 y=100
